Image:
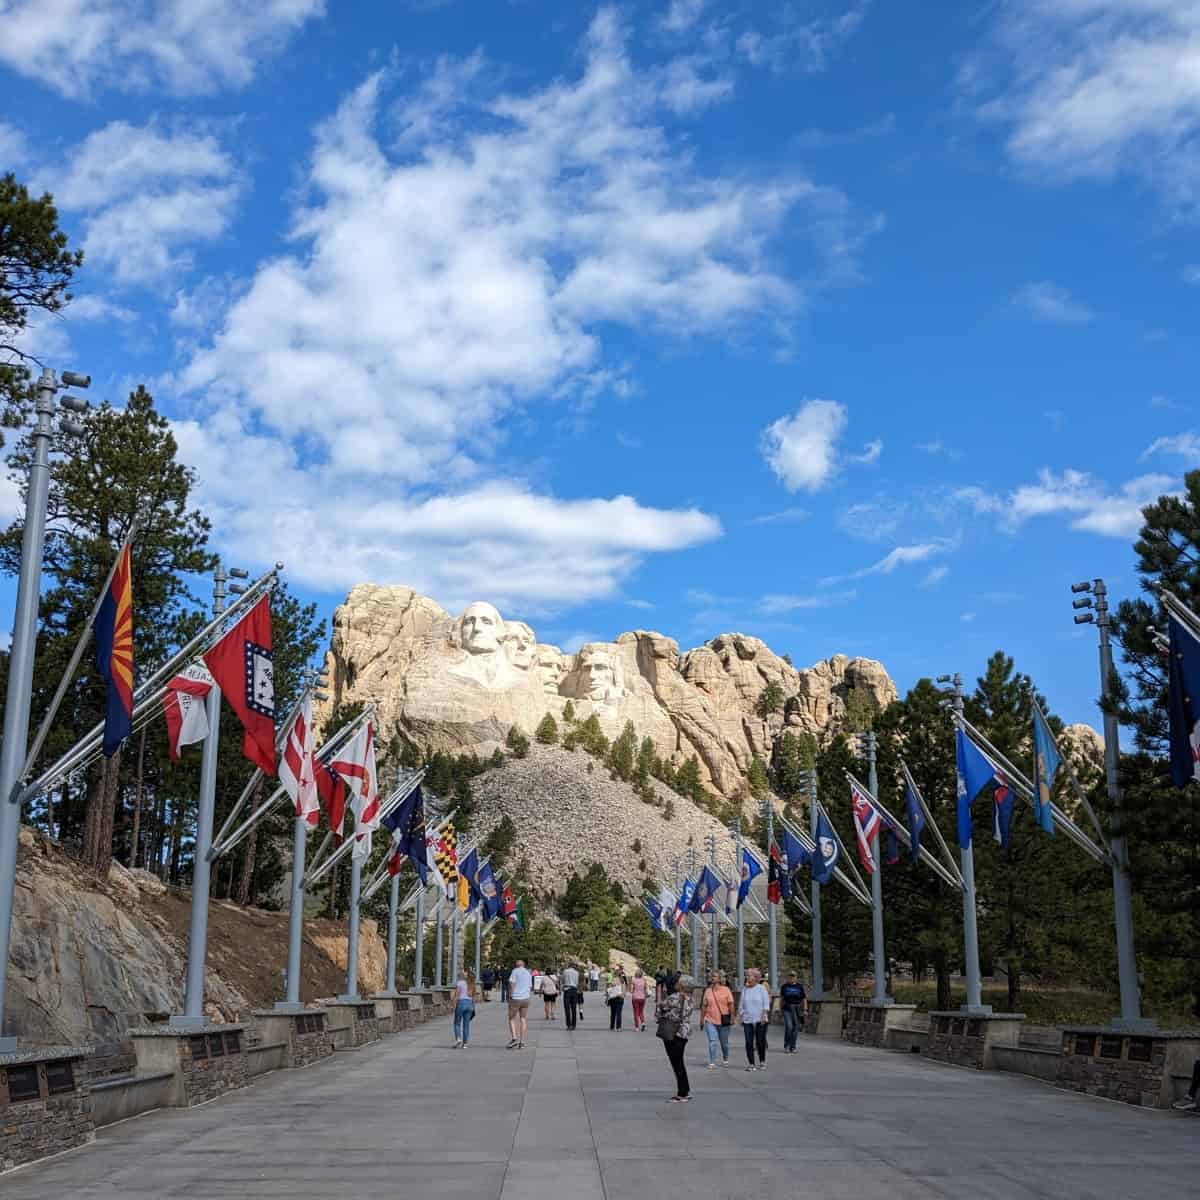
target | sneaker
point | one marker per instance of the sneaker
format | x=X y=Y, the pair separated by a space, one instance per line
x=711 y=1067
x=680 y=1099
x=1187 y=1104
x=762 y=1066
x=520 y=1045
x=512 y=1044
x=749 y=1068
x=457 y=1043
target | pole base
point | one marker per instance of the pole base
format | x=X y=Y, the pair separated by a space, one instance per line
x=288 y=1006
x=883 y=1001
x=348 y=999
x=179 y=1021
x=1134 y=1025
x=977 y=1010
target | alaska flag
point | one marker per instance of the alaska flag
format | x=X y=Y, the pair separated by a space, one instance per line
x=1002 y=808
x=1183 y=704
x=751 y=869
x=794 y=853
x=828 y=850
x=1045 y=767
x=114 y=654
x=406 y=824
x=974 y=774
x=704 y=898
x=489 y=895
x=916 y=819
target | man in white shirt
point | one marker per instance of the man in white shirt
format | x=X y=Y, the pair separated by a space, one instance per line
x=594 y=978
x=520 y=988
x=570 y=983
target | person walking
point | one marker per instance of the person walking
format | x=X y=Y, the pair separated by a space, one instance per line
x=754 y=1012
x=716 y=1015
x=614 y=994
x=464 y=1010
x=503 y=987
x=673 y=1017
x=594 y=978
x=660 y=986
x=637 y=995
x=550 y=995
x=793 y=999
x=1191 y=1102
x=487 y=980
x=570 y=994
x=520 y=988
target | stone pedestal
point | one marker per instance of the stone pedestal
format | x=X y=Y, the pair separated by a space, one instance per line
x=410 y=1010
x=443 y=1001
x=824 y=1017
x=1143 y=1068
x=304 y=1032
x=965 y=1039
x=387 y=1012
x=868 y=1023
x=352 y=1023
x=207 y=1060
x=45 y=1104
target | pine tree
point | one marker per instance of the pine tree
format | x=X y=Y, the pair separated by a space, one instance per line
x=770 y=700
x=547 y=731
x=622 y=755
x=517 y=742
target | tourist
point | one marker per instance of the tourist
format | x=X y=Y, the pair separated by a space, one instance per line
x=660 y=985
x=637 y=995
x=488 y=979
x=550 y=995
x=571 y=994
x=520 y=988
x=464 y=1010
x=614 y=996
x=503 y=986
x=716 y=1014
x=1191 y=1102
x=793 y=999
x=754 y=1013
x=594 y=978
x=674 y=1016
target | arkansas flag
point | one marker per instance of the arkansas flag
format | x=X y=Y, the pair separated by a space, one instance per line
x=867 y=822
x=296 y=771
x=355 y=764
x=183 y=707
x=241 y=667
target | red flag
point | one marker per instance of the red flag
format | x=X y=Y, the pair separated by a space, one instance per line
x=355 y=763
x=296 y=765
x=775 y=872
x=332 y=790
x=241 y=666
x=183 y=707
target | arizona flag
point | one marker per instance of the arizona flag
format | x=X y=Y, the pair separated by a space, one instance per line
x=242 y=668
x=867 y=823
x=296 y=765
x=183 y=707
x=355 y=764
x=114 y=654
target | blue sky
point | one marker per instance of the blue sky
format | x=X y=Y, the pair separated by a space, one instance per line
x=862 y=328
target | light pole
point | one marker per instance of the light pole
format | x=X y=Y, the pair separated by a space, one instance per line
x=867 y=746
x=23 y=646
x=1095 y=606
x=710 y=844
x=772 y=938
x=808 y=781
x=966 y=855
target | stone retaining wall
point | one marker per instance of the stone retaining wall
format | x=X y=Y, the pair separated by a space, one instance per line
x=967 y=1039
x=1134 y=1068
x=869 y=1024
x=207 y=1061
x=45 y=1105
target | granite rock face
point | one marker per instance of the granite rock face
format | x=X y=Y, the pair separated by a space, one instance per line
x=461 y=683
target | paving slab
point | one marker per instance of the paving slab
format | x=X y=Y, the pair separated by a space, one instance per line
x=586 y=1115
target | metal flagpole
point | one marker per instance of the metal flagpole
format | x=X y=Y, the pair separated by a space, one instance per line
x=393 y=930
x=439 y=949
x=453 y=945
x=966 y=854
x=352 y=931
x=741 y=927
x=291 y=1001
x=695 y=920
x=772 y=942
x=478 y=940
x=419 y=950
x=193 y=1007
x=678 y=926
x=711 y=843
x=818 y=964
x=879 y=951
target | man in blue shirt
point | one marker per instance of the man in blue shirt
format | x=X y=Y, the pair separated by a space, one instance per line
x=793 y=999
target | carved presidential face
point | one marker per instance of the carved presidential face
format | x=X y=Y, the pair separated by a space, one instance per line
x=480 y=629
x=551 y=667
x=519 y=644
x=597 y=671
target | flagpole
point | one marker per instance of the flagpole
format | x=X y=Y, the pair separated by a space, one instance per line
x=678 y=925
x=393 y=930
x=193 y=1005
x=772 y=942
x=438 y=947
x=351 y=992
x=291 y=1001
x=419 y=949
x=741 y=929
x=814 y=894
x=453 y=944
x=478 y=939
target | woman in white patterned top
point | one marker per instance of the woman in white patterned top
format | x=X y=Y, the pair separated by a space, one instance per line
x=676 y=1011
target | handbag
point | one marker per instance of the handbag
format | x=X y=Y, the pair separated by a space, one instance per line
x=727 y=1019
x=668 y=1029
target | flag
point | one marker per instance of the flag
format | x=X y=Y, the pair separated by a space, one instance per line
x=296 y=765
x=867 y=823
x=893 y=855
x=406 y=823
x=241 y=667
x=1046 y=762
x=1002 y=809
x=488 y=892
x=1183 y=703
x=684 y=903
x=518 y=915
x=751 y=869
x=114 y=654
x=183 y=707
x=704 y=897
x=442 y=857
x=795 y=854
x=667 y=901
x=331 y=788
x=916 y=819
x=355 y=766
x=652 y=906
x=508 y=906
x=974 y=774
x=828 y=850
x=468 y=890
x=731 y=891
x=779 y=886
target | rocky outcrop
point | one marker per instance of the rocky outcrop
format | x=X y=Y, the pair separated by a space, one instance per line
x=461 y=683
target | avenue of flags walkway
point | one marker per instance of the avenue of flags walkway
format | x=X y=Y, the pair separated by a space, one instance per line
x=585 y=1116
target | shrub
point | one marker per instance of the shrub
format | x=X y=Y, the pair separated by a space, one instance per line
x=547 y=731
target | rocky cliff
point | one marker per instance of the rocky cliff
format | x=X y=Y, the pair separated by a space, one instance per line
x=460 y=683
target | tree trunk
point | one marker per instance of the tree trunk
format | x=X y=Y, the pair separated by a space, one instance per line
x=160 y=835
x=104 y=854
x=98 y=820
x=135 y=848
x=245 y=890
x=176 y=841
x=1014 y=987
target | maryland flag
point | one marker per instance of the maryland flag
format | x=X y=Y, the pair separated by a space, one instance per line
x=114 y=654
x=443 y=858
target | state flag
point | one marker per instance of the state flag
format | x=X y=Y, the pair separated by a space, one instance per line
x=867 y=823
x=751 y=870
x=828 y=850
x=488 y=892
x=779 y=886
x=296 y=772
x=354 y=764
x=1183 y=702
x=241 y=666
x=1046 y=761
x=406 y=824
x=183 y=707
x=704 y=898
x=916 y=819
x=113 y=631
x=974 y=773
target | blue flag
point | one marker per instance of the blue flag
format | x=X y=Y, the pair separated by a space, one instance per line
x=1045 y=767
x=704 y=898
x=828 y=850
x=684 y=903
x=750 y=871
x=489 y=892
x=893 y=855
x=1183 y=703
x=468 y=869
x=916 y=819
x=1002 y=808
x=974 y=774
x=406 y=824
x=794 y=853
x=656 y=913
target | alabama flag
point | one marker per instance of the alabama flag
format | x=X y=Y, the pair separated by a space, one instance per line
x=296 y=771
x=355 y=764
x=183 y=707
x=241 y=667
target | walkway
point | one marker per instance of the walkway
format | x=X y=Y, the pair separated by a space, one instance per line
x=584 y=1117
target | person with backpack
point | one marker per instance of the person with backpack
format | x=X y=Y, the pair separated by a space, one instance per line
x=716 y=1015
x=674 y=1017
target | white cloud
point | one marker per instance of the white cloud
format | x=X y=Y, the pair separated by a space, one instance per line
x=182 y=46
x=14 y=149
x=901 y=556
x=871 y=452
x=1094 y=88
x=681 y=15
x=937 y=446
x=806 y=45
x=96 y=308
x=147 y=193
x=802 y=449
x=1190 y=274
x=935 y=576
x=1089 y=504
x=774 y=604
x=1183 y=445
x=1046 y=301
x=641 y=604
x=784 y=514
x=688 y=87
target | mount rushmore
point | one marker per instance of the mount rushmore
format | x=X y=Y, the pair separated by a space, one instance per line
x=461 y=683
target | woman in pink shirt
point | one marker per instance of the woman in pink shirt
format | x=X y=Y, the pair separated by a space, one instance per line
x=638 y=995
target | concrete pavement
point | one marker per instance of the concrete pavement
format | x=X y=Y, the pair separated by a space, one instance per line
x=584 y=1116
